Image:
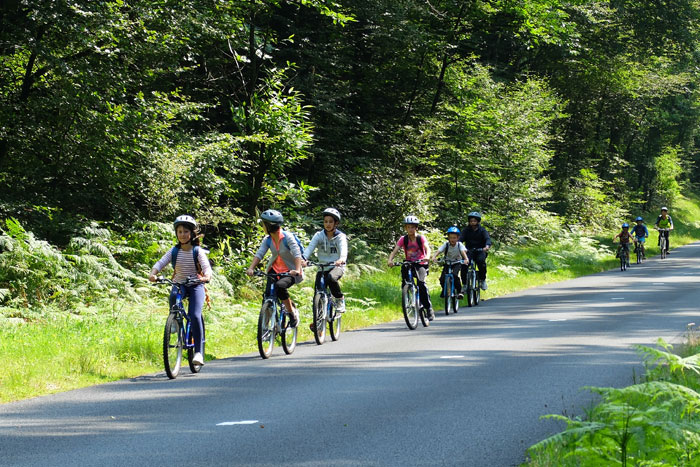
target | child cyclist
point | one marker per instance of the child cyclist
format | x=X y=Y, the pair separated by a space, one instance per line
x=639 y=234
x=416 y=248
x=285 y=258
x=625 y=237
x=331 y=246
x=186 y=230
x=664 y=221
x=454 y=250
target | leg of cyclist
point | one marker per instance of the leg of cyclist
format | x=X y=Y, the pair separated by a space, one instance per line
x=456 y=270
x=281 y=286
x=463 y=274
x=442 y=281
x=421 y=273
x=480 y=259
x=668 y=240
x=332 y=279
x=196 y=297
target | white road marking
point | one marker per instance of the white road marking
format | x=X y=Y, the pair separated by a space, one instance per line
x=560 y=319
x=659 y=283
x=452 y=356
x=618 y=298
x=242 y=422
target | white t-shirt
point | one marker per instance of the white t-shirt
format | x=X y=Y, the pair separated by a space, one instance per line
x=454 y=253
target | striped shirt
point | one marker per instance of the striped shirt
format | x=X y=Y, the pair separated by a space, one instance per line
x=184 y=266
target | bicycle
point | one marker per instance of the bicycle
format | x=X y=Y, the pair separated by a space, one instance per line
x=323 y=308
x=663 y=242
x=410 y=297
x=274 y=320
x=639 y=249
x=624 y=255
x=177 y=333
x=473 y=288
x=448 y=290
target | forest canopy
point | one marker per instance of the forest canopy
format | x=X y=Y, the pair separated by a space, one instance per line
x=129 y=110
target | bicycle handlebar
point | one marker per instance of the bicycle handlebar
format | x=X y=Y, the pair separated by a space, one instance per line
x=189 y=282
x=320 y=265
x=449 y=262
x=422 y=262
x=274 y=274
x=663 y=230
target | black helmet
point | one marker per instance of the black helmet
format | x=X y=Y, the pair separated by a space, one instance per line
x=334 y=213
x=272 y=217
x=474 y=214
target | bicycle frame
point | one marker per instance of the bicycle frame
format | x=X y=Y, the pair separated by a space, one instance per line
x=450 y=294
x=179 y=309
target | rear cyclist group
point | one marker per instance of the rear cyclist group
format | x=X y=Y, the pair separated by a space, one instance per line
x=639 y=233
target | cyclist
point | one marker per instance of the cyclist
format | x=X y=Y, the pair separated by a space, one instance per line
x=625 y=236
x=285 y=258
x=664 y=221
x=188 y=237
x=476 y=236
x=331 y=246
x=639 y=235
x=416 y=248
x=454 y=251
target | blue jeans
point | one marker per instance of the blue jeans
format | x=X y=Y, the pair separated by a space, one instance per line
x=196 y=297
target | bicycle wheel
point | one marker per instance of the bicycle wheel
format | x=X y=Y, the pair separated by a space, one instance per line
x=422 y=312
x=172 y=346
x=334 y=325
x=320 y=305
x=289 y=335
x=455 y=302
x=194 y=368
x=662 y=244
x=623 y=261
x=266 y=329
x=639 y=254
x=471 y=275
x=447 y=291
x=409 y=310
x=476 y=298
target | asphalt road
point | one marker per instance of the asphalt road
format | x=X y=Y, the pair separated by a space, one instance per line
x=467 y=391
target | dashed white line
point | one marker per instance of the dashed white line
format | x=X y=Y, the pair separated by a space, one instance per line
x=242 y=422
x=560 y=319
x=452 y=356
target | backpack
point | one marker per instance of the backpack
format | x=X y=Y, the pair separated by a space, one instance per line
x=284 y=241
x=195 y=257
x=419 y=239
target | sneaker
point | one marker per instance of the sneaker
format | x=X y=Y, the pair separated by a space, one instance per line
x=483 y=285
x=312 y=327
x=293 y=319
x=431 y=315
x=339 y=304
x=460 y=296
x=198 y=359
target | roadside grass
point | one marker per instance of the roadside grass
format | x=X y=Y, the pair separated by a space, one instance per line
x=123 y=339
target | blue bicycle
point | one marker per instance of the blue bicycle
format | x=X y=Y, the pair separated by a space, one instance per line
x=410 y=296
x=323 y=309
x=274 y=320
x=449 y=291
x=177 y=335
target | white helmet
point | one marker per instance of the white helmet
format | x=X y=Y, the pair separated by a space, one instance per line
x=334 y=213
x=664 y=208
x=186 y=220
x=411 y=220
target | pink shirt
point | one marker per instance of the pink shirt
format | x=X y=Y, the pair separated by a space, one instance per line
x=413 y=251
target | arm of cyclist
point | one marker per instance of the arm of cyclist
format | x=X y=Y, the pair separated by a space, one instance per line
x=343 y=254
x=253 y=264
x=162 y=262
x=390 y=261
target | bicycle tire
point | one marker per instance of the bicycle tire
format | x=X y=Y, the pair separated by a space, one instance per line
x=623 y=261
x=420 y=311
x=447 y=291
x=266 y=330
x=289 y=335
x=477 y=294
x=194 y=368
x=639 y=254
x=320 y=304
x=471 y=274
x=172 y=346
x=409 y=310
x=662 y=244
x=334 y=326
